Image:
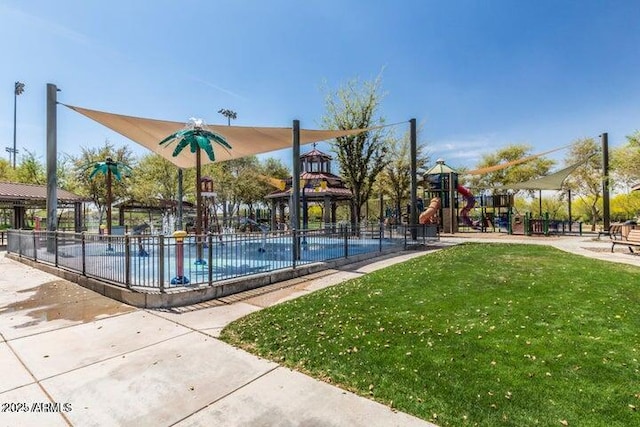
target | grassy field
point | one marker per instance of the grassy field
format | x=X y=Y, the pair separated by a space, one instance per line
x=477 y=334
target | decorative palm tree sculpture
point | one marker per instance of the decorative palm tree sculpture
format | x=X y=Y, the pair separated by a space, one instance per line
x=109 y=168
x=197 y=138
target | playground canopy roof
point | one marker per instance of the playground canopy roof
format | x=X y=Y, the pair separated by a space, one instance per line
x=549 y=182
x=244 y=140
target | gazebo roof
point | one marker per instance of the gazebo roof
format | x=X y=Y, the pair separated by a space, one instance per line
x=315 y=153
x=15 y=191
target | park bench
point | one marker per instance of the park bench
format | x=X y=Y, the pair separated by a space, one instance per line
x=632 y=239
x=614 y=232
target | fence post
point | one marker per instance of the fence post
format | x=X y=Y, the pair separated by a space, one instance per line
x=161 y=262
x=546 y=223
x=294 y=248
x=84 y=255
x=210 y=242
x=56 y=245
x=346 y=242
x=380 y=235
x=35 y=247
x=127 y=261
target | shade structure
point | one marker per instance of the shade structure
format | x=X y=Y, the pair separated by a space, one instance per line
x=244 y=140
x=549 y=182
x=501 y=166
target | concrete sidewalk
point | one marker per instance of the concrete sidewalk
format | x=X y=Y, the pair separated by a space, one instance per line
x=106 y=363
x=94 y=361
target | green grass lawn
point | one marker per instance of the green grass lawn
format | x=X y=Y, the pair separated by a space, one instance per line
x=477 y=334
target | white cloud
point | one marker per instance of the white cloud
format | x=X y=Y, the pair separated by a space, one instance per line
x=216 y=87
x=464 y=149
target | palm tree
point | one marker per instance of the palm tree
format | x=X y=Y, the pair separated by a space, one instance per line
x=109 y=168
x=197 y=138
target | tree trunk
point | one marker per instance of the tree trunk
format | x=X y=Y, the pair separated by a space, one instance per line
x=198 y=208
x=109 y=196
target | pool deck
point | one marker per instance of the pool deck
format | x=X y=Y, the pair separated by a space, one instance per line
x=107 y=363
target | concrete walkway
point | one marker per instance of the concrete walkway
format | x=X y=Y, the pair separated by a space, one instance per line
x=69 y=356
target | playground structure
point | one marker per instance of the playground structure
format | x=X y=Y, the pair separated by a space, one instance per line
x=488 y=213
x=429 y=215
x=441 y=184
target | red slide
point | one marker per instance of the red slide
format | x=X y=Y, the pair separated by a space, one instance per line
x=471 y=202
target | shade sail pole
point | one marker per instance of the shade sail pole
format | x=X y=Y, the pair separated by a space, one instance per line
x=52 y=149
x=605 y=181
x=414 y=179
x=295 y=179
x=294 y=209
x=569 y=197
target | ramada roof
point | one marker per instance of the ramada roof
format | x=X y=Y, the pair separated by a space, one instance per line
x=14 y=191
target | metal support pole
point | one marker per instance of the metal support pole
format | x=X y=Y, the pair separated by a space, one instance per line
x=413 y=221
x=294 y=209
x=606 y=217
x=295 y=179
x=180 y=195
x=52 y=149
x=540 y=203
x=570 y=219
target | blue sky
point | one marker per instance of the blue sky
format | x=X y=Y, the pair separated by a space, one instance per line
x=477 y=75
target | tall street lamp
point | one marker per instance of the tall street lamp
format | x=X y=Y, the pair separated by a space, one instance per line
x=19 y=88
x=229 y=114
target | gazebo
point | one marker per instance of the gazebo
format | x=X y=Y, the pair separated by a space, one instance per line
x=318 y=185
x=19 y=197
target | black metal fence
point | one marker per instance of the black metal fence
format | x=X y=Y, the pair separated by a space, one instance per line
x=158 y=263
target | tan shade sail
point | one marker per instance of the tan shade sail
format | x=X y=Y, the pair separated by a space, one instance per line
x=549 y=182
x=501 y=166
x=245 y=141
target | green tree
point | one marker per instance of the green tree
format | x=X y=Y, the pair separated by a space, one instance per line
x=395 y=178
x=586 y=181
x=6 y=171
x=96 y=189
x=625 y=162
x=625 y=206
x=226 y=177
x=522 y=172
x=361 y=157
x=154 y=178
x=65 y=173
x=30 y=170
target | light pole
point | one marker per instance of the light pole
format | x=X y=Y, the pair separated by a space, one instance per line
x=18 y=89
x=229 y=114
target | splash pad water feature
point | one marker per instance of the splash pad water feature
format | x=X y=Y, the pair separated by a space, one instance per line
x=259 y=258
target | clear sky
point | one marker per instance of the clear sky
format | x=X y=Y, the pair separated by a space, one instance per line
x=477 y=75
